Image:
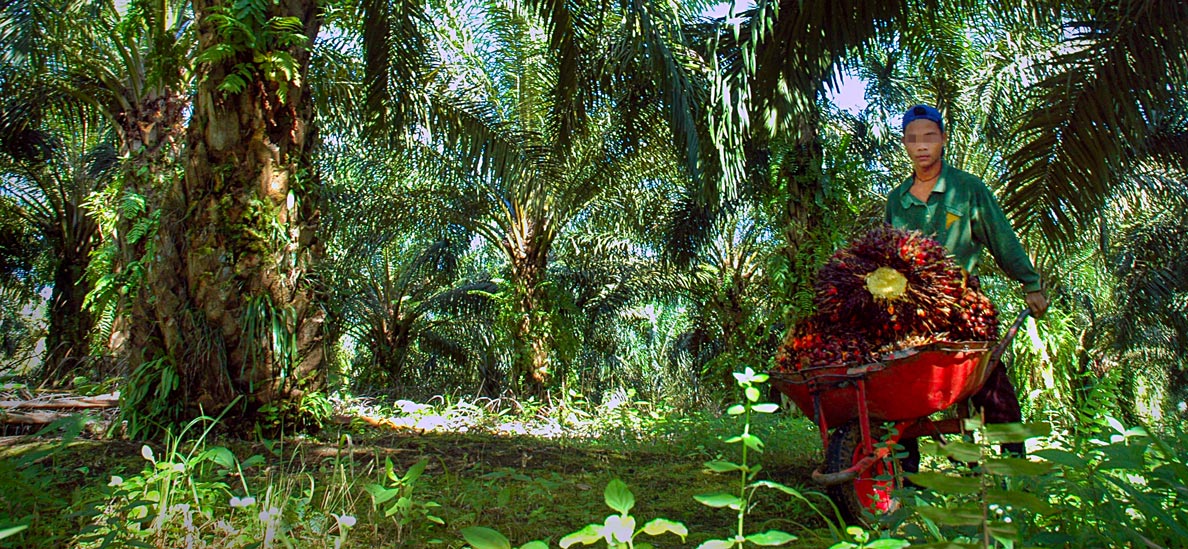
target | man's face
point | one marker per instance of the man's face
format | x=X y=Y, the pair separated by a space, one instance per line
x=923 y=140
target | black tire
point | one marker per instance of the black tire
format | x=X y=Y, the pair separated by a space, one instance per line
x=864 y=496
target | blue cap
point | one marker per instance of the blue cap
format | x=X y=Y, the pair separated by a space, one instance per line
x=923 y=112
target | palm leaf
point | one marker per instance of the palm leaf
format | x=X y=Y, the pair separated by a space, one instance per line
x=395 y=53
x=1097 y=98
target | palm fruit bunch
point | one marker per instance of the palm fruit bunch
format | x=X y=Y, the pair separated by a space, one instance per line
x=888 y=290
x=974 y=318
x=807 y=345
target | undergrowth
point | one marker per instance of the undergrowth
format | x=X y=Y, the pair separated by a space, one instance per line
x=464 y=473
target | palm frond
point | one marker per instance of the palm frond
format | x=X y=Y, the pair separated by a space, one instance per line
x=395 y=53
x=1095 y=101
x=1152 y=286
x=25 y=29
x=336 y=80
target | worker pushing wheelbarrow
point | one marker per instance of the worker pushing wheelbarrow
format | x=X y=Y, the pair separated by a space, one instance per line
x=902 y=330
x=851 y=403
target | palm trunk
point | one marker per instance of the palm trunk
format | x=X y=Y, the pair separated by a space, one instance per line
x=392 y=340
x=802 y=219
x=151 y=135
x=232 y=312
x=70 y=324
x=531 y=336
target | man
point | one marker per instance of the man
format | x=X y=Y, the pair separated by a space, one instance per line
x=958 y=210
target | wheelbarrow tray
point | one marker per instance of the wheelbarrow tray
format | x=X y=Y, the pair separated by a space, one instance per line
x=903 y=385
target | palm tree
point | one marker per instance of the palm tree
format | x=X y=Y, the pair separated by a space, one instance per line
x=727 y=286
x=232 y=311
x=128 y=63
x=51 y=185
x=397 y=287
x=527 y=167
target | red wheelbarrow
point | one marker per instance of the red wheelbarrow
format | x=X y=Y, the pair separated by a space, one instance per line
x=903 y=388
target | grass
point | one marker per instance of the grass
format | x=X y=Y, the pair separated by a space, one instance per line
x=481 y=468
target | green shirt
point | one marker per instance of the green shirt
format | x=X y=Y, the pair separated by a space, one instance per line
x=963 y=214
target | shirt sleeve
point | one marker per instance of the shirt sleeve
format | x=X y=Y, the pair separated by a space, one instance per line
x=993 y=231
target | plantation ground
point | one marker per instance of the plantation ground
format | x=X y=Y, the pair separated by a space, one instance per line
x=495 y=474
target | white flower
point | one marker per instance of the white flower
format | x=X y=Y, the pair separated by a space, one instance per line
x=242 y=502
x=269 y=515
x=116 y=480
x=179 y=467
x=147 y=453
x=344 y=521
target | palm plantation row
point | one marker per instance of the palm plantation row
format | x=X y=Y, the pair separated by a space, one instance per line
x=250 y=202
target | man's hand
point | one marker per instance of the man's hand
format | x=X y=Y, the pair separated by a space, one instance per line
x=1038 y=303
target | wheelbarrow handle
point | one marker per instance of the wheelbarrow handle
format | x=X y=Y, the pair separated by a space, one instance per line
x=1001 y=347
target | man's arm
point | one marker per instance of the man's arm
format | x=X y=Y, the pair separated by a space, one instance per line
x=995 y=233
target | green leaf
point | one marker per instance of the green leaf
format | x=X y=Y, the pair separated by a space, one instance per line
x=962 y=451
x=232 y=83
x=766 y=408
x=1016 y=467
x=948 y=545
x=254 y=460
x=618 y=497
x=752 y=394
x=965 y=515
x=415 y=471
x=1062 y=457
x=777 y=486
x=1020 y=500
x=1173 y=473
x=535 y=545
x=402 y=505
x=723 y=466
x=220 y=456
x=485 y=538
x=215 y=54
x=716 y=544
x=1002 y=531
x=9 y=532
x=753 y=442
x=590 y=534
x=887 y=544
x=720 y=500
x=946 y=484
x=736 y=410
x=771 y=538
x=998 y=433
x=1123 y=456
x=379 y=494
x=665 y=526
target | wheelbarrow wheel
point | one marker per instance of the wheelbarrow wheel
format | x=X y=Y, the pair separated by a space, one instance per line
x=870 y=493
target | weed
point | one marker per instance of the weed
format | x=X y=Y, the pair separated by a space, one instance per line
x=862 y=540
x=619 y=531
x=405 y=509
x=740 y=501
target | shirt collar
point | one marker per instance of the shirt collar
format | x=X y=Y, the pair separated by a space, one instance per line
x=906 y=199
